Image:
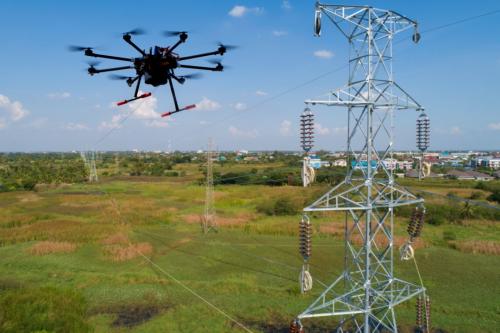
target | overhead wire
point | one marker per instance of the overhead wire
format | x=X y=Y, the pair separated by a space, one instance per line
x=173 y=278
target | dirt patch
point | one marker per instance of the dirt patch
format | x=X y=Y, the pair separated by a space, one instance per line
x=478 y=247
x=335 y=229
x=130 y=251
x=118 y=238
x=28 y=197
x=220 y=220
x=47 y=247
x=135 y=315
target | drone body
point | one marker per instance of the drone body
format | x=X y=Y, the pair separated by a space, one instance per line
x=157 y=67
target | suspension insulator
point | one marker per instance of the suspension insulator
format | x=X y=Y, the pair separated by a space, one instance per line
x=416 y=222
x=428 y=313
x=307 y=130
x=419 y=307
x=305 y=231
x=423 y=132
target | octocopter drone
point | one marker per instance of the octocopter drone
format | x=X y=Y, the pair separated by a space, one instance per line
x=157 y=66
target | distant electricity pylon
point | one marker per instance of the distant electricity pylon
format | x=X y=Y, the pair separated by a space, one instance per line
x=89 y=161
x=365 y=295
x=423 y=142
x=208 y=219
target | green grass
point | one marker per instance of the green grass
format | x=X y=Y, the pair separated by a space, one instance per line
x=249 y=269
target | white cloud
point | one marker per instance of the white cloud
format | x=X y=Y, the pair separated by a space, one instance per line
x=240 y=11
x=144 y=108
x=114 y=123
x=204 y=122
x=59 y=95
x=75 y=127
x=324 y=54
x=339 y=130
x=321 y=130
x=234 y=131
x=239 y=106
x=15 y=109
x=3 y=123
x=261 y=93
x=286 y=5
x=280 y=33
x=207 y=105
x=158 y=123
x=455 y=130
x=494 y=126
x=285 y=127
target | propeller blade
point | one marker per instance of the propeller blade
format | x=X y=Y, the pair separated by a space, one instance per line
x=76 y=48
x=119 y=77
x=214 y=61
x=93 y=63
x=135 y=32
x=227 y=47
x=193 y=76
x=169 y=33
x=219 y=66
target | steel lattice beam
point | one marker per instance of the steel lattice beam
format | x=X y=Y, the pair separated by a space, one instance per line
x=367 y=291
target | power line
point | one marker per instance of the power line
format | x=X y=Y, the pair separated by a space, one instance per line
x=194 y=293
x=470 y=18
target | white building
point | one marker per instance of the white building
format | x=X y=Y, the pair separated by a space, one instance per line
x=340 y=163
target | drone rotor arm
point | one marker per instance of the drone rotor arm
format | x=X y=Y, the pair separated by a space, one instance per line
x=97 y=71
x=201 y=55
x=129 y=41
x=214 y=69
x=105 y=56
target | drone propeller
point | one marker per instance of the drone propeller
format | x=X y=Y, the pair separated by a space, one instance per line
x=92 y=70
x=223 y=47
x=76 y=48
x=219 y=67
x=183 y=78
x=193 y=76
x=169 y=33
x=119 y=77
x=93 y=63
x=135 y=32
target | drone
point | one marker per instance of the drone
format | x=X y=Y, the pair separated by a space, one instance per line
x=157 y=66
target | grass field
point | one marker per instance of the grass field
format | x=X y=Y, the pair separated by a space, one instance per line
x=86 y=238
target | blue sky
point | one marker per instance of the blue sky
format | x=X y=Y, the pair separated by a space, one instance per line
x=49 y=103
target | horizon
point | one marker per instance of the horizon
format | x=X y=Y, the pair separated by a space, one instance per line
x=256 y=103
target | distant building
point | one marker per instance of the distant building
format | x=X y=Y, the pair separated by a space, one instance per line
x=339 y=163
x=315 y=162
x=405 y=165
x=468 y=175
x=486 y=162
x=414 y=174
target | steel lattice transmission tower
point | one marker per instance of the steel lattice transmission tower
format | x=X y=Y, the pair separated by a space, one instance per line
x=208 y=219
x=365 y=294
x=89 y=161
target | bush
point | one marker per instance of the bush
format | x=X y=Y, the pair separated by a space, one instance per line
x=281 y=206
x=436 y=220
x=476 y=196
x=42 y=310
x=449 y=235
x=495 y=196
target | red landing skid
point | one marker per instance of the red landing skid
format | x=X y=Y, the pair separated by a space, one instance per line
x=166 y=114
